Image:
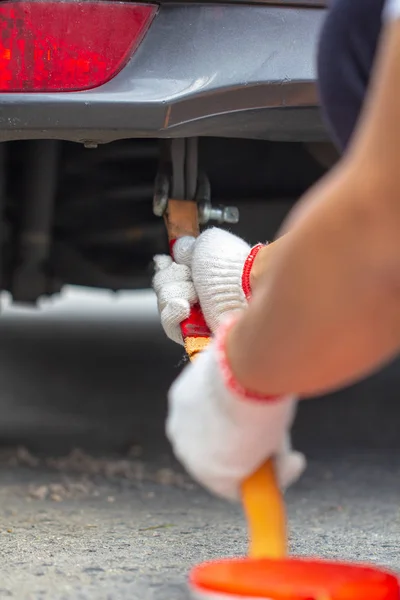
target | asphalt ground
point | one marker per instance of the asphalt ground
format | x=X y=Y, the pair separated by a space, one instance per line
x=117 y=518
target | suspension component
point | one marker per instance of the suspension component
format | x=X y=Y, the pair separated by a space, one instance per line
x=196 y=187
x=31 y=278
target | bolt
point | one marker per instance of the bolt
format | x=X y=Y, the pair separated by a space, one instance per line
x=230 y=214
x=220 y=214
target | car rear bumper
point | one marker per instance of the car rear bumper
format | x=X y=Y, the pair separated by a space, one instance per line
x=232 y=71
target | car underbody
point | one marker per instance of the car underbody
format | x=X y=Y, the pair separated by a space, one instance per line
x=79 y=216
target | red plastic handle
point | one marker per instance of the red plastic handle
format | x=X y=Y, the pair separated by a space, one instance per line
x=195 y=325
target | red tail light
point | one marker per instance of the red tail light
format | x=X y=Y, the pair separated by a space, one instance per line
x=67 y=46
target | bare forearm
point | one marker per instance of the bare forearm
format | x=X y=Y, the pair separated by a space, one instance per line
x=263 y=261
x=325 y=312
x=328 y=311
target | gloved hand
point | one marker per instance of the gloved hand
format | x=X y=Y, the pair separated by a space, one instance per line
x=222 y=433
x=213 y=269
x=175 y=292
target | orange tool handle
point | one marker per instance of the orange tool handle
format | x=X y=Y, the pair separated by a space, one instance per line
x=181 y=220
x=262 y=499
x=195 y=333
x=265 y=514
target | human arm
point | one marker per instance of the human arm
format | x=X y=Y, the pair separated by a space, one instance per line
x=328 y=311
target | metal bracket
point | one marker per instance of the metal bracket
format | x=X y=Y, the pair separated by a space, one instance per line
x=179 y=178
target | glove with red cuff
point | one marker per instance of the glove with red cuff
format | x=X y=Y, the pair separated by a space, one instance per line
x=213 y=269
x=221 y=432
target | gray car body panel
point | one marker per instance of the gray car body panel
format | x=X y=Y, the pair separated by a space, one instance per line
x=216 y=70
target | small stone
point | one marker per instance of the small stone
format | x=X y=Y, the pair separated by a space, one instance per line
x=93 y=570
x=39 y=493
x=56 y=498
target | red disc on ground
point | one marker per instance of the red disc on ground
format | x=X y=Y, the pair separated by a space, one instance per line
x=294 y=579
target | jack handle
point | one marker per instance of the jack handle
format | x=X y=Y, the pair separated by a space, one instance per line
x=181 y=220
x=261 y=496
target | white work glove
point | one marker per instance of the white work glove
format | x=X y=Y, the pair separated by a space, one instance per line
x=210 y=270
x=175 y=292
x=220 y=433
x=218 y=260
